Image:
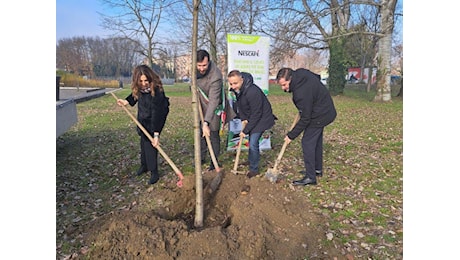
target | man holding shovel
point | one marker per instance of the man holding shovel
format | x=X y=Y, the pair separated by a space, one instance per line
x=210 y=86
x=254 y=108
x=316 y=110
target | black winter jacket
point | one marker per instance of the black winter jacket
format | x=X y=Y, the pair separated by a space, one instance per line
x=313 y=101
x=152 y=111
x=253 y=105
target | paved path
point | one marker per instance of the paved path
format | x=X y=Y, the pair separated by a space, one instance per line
x=66 y=109
x=82 y=94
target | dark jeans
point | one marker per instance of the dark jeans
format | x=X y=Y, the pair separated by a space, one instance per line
x=254 y=152
x=312 y=147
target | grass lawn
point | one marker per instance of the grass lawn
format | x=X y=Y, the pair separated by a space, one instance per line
x=363 y=159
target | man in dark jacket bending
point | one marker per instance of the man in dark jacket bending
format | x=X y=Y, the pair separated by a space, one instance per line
x=254 y=109
x=316 y=110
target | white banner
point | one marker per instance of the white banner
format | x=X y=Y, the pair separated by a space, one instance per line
x=248 y=53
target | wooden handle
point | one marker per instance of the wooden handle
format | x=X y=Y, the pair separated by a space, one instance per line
x=170 y=162
x=280 y=155
x=238 y=150
x=208 y=140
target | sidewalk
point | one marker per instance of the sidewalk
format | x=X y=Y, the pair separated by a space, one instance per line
x=66 y=108
x=82 y=94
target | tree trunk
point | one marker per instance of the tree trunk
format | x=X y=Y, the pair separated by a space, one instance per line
x=383 y=72
x=384 y=52
x=213 y=33
x=198 y=177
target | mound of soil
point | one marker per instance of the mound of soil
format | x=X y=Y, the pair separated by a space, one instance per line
x=243 y=219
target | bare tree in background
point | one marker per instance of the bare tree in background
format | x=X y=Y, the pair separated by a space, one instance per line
x=181 y=15
x=317 y=25
x=212 y=19
x=73 y=55
x=210 y=22
x=247 y=16
x=138 y=21
x=216 y=19
x=112 y=56
x=242 y=17
x=322 y=25
x=95 y=57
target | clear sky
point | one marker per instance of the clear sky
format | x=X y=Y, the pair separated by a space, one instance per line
x=79 y=18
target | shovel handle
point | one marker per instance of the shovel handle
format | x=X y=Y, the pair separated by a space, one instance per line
x=208 y=140
x=238 y=150
x=171 y=163
x=280 y=155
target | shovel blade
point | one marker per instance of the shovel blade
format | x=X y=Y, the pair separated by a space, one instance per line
x=271 y=175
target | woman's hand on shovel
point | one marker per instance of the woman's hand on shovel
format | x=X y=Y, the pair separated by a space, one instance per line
x=156 y=140
x=287 y=139
x=122 y=102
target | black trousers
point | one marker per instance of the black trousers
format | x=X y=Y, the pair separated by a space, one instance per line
x=312 y=148
x=215 y=144
x=149 y=155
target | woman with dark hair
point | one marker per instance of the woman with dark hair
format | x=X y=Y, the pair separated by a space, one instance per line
x=152 y=110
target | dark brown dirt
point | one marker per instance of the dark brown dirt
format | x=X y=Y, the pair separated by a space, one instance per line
x=271 y=221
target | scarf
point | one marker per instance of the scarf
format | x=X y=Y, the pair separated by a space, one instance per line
x=146 y=91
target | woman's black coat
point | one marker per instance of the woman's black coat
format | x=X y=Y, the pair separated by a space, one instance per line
x=151 y=111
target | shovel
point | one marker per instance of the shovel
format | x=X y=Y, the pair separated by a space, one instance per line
x=238 y=149
x=171 y=163
x=272 y=174
x=208 y=141
x=215 y=182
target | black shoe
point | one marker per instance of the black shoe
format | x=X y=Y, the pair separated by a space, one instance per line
x=154 y=178
x=141 y=170
x=251 y=174
x=304 y=181
x=318 y=173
